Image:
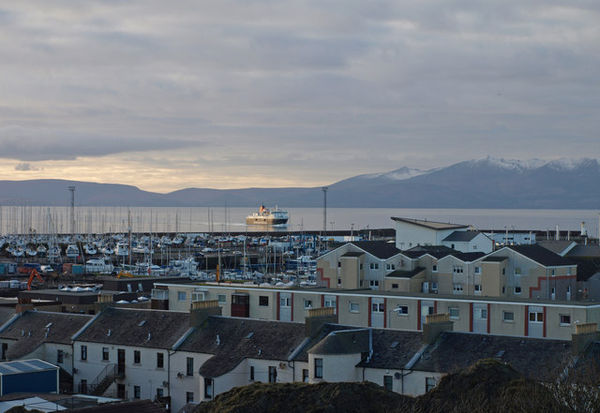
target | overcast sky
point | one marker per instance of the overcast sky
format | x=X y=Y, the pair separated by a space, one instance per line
x=167 y=95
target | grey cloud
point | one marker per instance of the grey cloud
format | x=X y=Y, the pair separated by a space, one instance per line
x=36 y=145
x=25 y=166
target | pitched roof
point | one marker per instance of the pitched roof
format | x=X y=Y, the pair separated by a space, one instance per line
x=405 y=274
x=33 y=328
x=468 y=256
x=495 y=258
x=231 y=340
x=585 y=251
x=343 y=342
x=134 y=327
x=462 y=236
x=437 y=251
x=353 y=254
x=393 y=349
x=535 y=358
x=429 y=224
x=557 y=246
x=380 y=249
x=541 y=255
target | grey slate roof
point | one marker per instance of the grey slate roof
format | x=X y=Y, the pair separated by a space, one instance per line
x=240 y=338
x=353 y=254
x=556 y=246
x=393 y=349
x=584 y=251
x=343 y=342
x=541 y=255
x=462 y=236
x=380 y=249
x=539 y=359
x=134 y=327
x=468 y=256
x=429 y=224
x=29 y=330
x=495 y=258
x=437 y=251
x=405 y=274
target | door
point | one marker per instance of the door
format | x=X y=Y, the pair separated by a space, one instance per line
x=121 y=362
x=536 y=321
x=427 y=308
x=480 y=317
x=285 y=306
x=377 y=312
x=330 y=302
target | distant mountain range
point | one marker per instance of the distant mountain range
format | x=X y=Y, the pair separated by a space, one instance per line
x=482 y=183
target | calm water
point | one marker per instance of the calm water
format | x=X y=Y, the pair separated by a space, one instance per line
x=17 y=219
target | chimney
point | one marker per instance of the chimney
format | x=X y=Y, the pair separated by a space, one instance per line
x=201 y=310
x=435 y=324
x=585 y=334
x=317 y=318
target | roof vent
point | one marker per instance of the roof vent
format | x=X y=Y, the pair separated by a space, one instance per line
x=141 y=323
x=48 y=325
x=250 y=335
x=394 y=344
x=499 y=354
x=109 y=332
x=259 y=352
x=218 y=341
x=149 y=337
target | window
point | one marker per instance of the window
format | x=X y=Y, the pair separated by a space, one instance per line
x=307 y=304
x=189 y=366
x=105 y=355
x=508 y=316
x=536 y=317
x=361 y=266
x=339 y=281
x=160 y=392
x=503 y=271
x=553 y=271
x=60 y=356
x=4 y=349
x=160 y=361
x=222 y=298
x=371 y=266
x=477 y=270
x=454 y=312
x=517 y=290
x=458 y=288
x=272 y=374
x=207 y=388
x=251 y=373
x=181 y=295
x=377 y=267
x=354 y=307
x=285 y=302
x=517 y=271
x=565 y=320
x=434 y=286
x=377 y=307
x=394 y=286
x=263 y=301
x=137 y=392
x=329 y=302
x=477 y=288
x=339 y=264
x=83 y=353
x=402 y=310
x=457 y=269
x=388 y=383
x=429 y=383
x=484 y=314
x=318 y=368
x=189 y=397
x=434 y=268
x=137 y=357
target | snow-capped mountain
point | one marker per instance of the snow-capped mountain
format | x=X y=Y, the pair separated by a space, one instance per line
x=481 y=183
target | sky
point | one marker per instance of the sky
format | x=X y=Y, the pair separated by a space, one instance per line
x=263 y=93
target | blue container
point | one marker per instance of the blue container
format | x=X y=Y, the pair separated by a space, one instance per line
x=77 y=269
x=2 y=269
x=28 y=376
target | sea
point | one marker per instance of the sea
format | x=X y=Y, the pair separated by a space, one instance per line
x=93 y=220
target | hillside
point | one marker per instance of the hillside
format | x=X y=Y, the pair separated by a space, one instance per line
x=488 y=386
x=483 y=183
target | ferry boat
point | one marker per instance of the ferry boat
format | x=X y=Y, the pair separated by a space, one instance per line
x=265 y=216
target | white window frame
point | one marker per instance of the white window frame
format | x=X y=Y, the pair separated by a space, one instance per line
x=506 y=320
x=354 y=307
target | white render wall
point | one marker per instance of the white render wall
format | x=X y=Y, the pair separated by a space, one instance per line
x=480 y=243
x=336 y=368
x=410 y=235
x=181 y=383
x=145 y=374
x=409 y=383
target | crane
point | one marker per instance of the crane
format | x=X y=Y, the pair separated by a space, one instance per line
x=33 y=274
